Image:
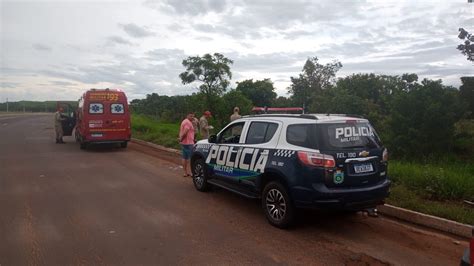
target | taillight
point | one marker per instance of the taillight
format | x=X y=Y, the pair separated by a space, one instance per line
x=316 y=159
x=385 y=155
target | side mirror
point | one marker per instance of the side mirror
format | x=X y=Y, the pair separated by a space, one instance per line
x=212 y=139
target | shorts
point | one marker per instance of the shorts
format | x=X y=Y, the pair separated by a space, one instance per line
x=187 y=150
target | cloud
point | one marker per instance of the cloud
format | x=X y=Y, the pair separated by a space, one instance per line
x=141 y=46
x=193 y=8
x=157 y=71
x=42 y=47
x=8 y=84
x=136 y=31
x=118 y=40
x=63 y=83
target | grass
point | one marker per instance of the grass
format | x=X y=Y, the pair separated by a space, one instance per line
x=404 y=197
x=149 y=129
x=442 y=180
x=437 y=187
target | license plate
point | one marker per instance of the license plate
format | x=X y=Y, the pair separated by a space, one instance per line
x=363 y=168
x=96 y=135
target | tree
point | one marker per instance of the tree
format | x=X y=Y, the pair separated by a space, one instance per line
x=422 y=120
x=282 y=102
x=466 y=92
x=212 y=70
x=260 y=92
x=227 y=103
x=314 y=78
x=467 y=48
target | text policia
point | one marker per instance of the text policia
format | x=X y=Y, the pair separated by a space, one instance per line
x=238 y=157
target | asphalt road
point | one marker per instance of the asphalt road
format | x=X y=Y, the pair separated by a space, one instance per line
x=60 y=205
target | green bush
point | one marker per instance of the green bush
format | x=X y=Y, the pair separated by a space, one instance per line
x=443 y=180
x=153 y=130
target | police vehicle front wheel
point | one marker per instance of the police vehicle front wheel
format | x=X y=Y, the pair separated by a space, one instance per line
x=200 y=175
x=277 y=205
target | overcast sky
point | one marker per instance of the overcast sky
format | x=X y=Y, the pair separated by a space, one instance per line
x=54 y=50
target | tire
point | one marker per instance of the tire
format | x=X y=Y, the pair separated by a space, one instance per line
x=200 y=175
x=124 y=144
x=277 y=205
x=76 y=136
x=83 y=145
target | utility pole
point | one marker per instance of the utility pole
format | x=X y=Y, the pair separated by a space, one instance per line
x=7 y=105
x=23 y=106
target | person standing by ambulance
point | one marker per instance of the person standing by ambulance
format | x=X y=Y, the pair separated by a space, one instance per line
x=58 y=127
x=204 y=126
x=186 y=139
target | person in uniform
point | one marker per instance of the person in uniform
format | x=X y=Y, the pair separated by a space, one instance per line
x=204 y=126
x=235 y=115
x=58 y=127
x=195 y=123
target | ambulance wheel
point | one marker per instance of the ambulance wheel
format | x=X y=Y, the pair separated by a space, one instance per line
x=83 y=145
x=200 y=175
x=277 y=205
x=124 y=144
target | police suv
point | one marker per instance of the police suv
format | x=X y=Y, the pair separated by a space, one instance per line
x=296 y=161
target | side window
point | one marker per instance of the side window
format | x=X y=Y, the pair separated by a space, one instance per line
x=272 y=127
x=260 y=132
x=302 y=135
x=117 y=108
x=231 y=134
x=96 y=108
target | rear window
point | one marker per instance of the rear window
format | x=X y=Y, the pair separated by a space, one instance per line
x=333 y=136
x=117 y=108
x=96 y=108
x=346 y=136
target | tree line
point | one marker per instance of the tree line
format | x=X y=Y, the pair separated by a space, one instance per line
x=415 y=118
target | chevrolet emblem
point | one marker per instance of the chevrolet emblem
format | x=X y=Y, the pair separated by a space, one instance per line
x=364 y=153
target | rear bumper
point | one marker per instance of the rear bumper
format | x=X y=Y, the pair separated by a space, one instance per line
x=105 y=137
x=105 y=141
x=322 y=197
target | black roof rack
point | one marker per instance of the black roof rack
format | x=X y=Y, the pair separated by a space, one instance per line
x=348 y=115
x=305 y=116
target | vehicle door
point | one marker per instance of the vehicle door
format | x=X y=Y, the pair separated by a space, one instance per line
x=262 y=138
x=225 y=154
x=69 y=116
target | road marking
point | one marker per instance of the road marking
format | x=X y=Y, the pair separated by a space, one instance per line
x=5 y=124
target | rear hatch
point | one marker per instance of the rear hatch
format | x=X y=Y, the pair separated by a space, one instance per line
x=109 y=120
x=357 y=151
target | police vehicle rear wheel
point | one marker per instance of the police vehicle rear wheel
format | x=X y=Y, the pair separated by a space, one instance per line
x=200 y=175
x=277 y=205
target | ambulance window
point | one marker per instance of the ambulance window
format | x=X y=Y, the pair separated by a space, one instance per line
x=116 y=108
x=96 y=108
x=260 y=132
